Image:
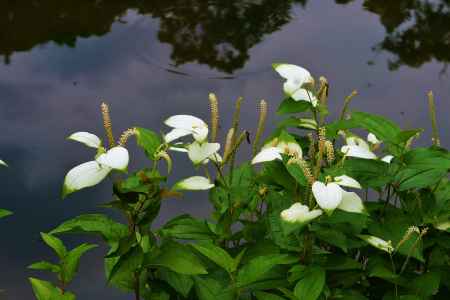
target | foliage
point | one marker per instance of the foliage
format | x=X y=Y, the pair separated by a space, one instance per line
x=65 y=269
x=291 y=223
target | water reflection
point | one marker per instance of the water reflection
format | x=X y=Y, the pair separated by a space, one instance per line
x=219 y=33
x=417 y=31
x=216 y=33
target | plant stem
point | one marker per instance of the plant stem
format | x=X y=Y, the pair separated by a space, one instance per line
x=432 y=108
x=347 y=101
x=394 y=271
x=137 y=286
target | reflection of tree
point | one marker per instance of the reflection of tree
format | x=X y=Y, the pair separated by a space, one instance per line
x=427 y=37
x=418 y=31
x=25 y=24
x=219 y=33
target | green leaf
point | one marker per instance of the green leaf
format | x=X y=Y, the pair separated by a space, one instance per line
x=120 y=270
x=216 y=254
x=331 y=236
x=186 y=227
x=149 y=141
x=423 y=167
x=384 y=129
x=211 y=289
x=110 y=230
x=4 y=213
x=44 y=290
x=45 y=266
x=394 y=227
x=336 y=262
x=368 y=172
x=311 y=285
x=69 y=264
x=178 y=258
x=267 y=296
x=256 y=268
x=181 y=283
x=419 y=178
x=379 y=267
x=427 y=285
x=297 y=123
x=296 y=171
x=290 y=106
x=54 y=243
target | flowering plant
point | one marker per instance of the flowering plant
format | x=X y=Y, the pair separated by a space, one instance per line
x=317 y=212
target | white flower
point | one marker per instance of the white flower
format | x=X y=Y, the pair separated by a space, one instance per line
x=297 y=78
x=2 y=163
x=89 y=139
x=85 y=175
x=305 y=95
x=299 y=213
x=175 y=134
x=93 y=172
x=178 y=147
x=347 y=181
x=377 y=242
x=372 y=138
x=328 y=197
x=272 y=152
x=357 y=141
x=115 y=158
x=194 y=183
x=200 y=152
x=185 y=125
x=351 y=202
x=387 y=159
x=444 y=226
x=216 y=157
x=356 y=151
x=357 y=147
x=267 y=154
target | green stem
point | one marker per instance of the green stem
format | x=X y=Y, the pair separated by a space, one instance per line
x=347 y=101
x=432 y=108
x=394 y=271
x=137 y=285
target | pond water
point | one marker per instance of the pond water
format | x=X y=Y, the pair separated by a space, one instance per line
x=151 y=59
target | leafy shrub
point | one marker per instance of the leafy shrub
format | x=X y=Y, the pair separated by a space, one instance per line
x=317 y=212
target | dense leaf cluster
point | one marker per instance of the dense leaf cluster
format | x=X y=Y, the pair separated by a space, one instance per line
x=396 y=245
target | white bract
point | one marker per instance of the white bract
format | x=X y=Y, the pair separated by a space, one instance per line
x=198 y=153
x=184 y=125
x=357 y=147
x=347 y=181
x=93 y=172
x=378 y=243
x=267 y=154
x=299 y=213
x=351 y=202
x=387 y=158
x=272 y=152
x=2 y=163
x=85 y=175
x=331 y=196
x=89 y=139
x=297 y=78
x=444 y=226
x=116 y=158
x=194 y=183
x=372 y=138
x=216 y=157
x=328 y=196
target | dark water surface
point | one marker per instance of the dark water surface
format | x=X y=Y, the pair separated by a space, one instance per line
x=152 y=59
